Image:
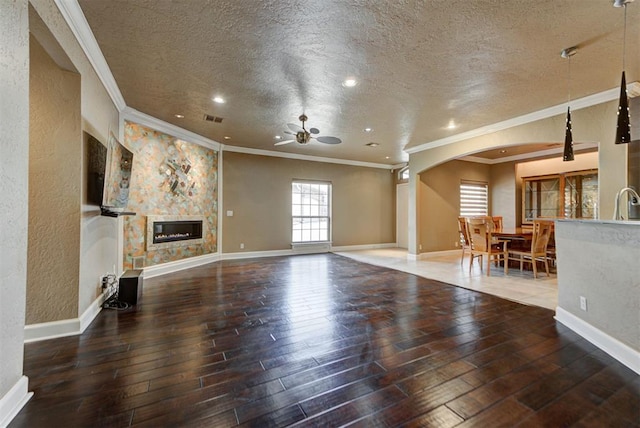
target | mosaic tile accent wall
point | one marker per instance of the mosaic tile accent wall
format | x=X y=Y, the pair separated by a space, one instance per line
x=169 y=177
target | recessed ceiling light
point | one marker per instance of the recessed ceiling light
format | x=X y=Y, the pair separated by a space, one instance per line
x=350 y=82
x=218 y=100
x=503 y=151
x=227 y=137
x=372 y=144
x=452 y=125
x=368 y=129
x=386 y=157
x=277 y=137
x=179 y=116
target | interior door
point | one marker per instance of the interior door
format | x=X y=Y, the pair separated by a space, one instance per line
x=402 y=215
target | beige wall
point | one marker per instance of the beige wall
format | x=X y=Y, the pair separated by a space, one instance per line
x=440 y=202
x=14 y=152
x=99 y=250
x=503 y=193
x=55 y=170
x=258 y=191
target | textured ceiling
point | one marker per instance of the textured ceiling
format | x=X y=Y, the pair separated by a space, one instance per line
x=419 y=64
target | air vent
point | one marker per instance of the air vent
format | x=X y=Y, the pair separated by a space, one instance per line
x=214 y=119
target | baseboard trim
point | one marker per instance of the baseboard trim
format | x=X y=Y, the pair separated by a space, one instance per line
x=14 y=400
x=364 y=247
x=91 y=312
x=612 y=346
x=257 y=254
x=414 y=257
x=51 y=330
x=438 y=253
x=178 y=265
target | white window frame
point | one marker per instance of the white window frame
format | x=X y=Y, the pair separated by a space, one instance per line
x=474 y=198
x=311 y=213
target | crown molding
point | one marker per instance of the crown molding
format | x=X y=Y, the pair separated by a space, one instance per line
x=577 y=104
x=134 y=115
x=577 y=147
x=259 y=152
x=73 y=15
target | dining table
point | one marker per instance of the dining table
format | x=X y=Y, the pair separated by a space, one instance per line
x=516 y=233
x=517 y=237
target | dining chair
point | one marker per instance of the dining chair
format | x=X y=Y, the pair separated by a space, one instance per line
x=497 y=222
x=542 y=230
x=464 y=236
x=482 y=244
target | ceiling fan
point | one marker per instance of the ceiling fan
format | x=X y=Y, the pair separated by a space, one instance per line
x=302 y=136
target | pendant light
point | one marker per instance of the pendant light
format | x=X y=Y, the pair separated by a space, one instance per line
x=623 y=129
x=568 y=136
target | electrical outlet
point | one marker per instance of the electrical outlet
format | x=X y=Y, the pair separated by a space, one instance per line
x=583 y=303
x=242 y=246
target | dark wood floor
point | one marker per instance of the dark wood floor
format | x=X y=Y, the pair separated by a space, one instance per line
x=323 y=340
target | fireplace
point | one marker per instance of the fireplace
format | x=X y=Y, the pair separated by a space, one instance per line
x=171 y=231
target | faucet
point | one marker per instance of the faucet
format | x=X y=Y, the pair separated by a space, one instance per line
x=635 y=200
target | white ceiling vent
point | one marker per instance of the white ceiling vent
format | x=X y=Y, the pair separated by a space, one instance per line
x=214 y=119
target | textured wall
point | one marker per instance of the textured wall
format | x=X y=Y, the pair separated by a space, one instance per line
x=195 y=193
x=503 y=193
x=98 y=246
x=14 y=152
x=600 y=262
x=55 y=166
x=258 y=190
x=440 y=202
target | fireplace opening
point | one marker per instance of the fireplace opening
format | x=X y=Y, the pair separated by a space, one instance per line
x=172 y=231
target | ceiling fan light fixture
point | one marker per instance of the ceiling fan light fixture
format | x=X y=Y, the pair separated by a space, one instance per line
x=303 y=136
x=621 y=3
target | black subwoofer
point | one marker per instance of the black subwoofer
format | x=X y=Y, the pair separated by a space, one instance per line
x=130 y=286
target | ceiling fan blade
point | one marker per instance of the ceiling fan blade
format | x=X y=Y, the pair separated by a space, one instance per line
x=289 y=133
x=294 y=127
x=329 y=140
x=284 y=142
x=314 y=131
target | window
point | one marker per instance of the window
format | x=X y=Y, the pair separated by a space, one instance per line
x=311 y=211
x=474 y=198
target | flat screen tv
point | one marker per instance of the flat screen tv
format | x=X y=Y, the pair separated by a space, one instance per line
x=109 y=174
x=97 y=165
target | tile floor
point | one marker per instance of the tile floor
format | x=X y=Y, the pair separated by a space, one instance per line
x=516 y=286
